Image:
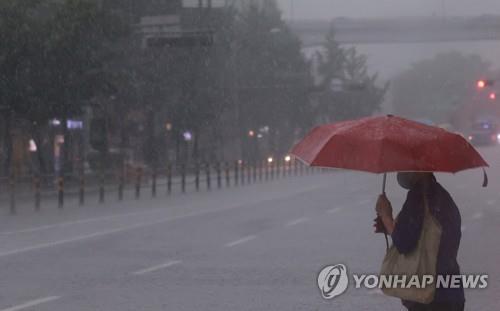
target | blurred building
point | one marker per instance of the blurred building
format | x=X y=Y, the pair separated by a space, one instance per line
x=135 y=9
x=240 y=4
x=159 y=26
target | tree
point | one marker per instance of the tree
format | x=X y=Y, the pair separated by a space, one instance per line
x=273 y=78
x=77 y=45
x=347 y=90
x=364 y=96
x=81 y=40
x=52 y=60
x=18 y=34
x=184 y=86
x=434 y=88
x=254 y=75
x=331 y=60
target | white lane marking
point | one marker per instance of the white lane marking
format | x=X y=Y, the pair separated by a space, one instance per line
x=477 y=216
x=334 y=210
x=147 y=224
x=61 y=242
x=32 y=303
x=77 y=222
x=297 y=221
x=491 y=202
x=94 y=235
x=463 y=228
x=241 y=241
x=158 y=267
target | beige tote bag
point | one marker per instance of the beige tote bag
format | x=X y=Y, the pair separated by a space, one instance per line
x=421 y=261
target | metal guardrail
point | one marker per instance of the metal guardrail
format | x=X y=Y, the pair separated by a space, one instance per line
x=171 y=178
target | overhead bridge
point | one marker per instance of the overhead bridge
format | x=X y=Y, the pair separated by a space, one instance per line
x=389 y=31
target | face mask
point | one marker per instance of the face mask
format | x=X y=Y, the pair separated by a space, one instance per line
x=406 y=180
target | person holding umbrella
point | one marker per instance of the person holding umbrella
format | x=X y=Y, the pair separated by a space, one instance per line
x=406 y=231
x=426 y=234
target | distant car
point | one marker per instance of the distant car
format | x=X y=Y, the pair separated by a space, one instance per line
x=483 y=134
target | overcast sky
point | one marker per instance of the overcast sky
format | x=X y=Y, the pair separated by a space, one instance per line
x=327 y=9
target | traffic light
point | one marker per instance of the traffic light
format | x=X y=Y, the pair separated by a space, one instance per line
x=481 y=84
x=493 y=96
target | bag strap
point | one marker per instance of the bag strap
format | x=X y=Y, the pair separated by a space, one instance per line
x=426 y=205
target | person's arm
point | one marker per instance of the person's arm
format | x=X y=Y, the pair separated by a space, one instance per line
x=384 y=211
x=405 y=232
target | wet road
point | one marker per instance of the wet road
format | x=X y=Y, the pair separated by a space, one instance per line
x=254 y=248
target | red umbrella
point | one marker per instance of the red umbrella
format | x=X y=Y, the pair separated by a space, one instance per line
x=388 y=144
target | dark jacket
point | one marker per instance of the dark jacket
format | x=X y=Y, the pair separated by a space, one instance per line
x=409 y=226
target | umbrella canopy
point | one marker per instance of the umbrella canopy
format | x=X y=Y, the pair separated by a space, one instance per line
x=387 y=144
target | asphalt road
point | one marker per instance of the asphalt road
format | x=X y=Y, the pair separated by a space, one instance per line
x=258 y=247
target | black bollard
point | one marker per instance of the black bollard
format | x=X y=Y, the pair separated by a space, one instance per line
x=36 y=182
x=228 y=174
x=169 y=179
x=81 y=192
x=121 y=182
x=260 y=168
x=219 y=175
x=153 y=185
x=197 y=177
x=242 y=172
x=60 y=191
x=12 y=191
x=209 y=177
x=138 y=182
x=101 y=188
x=236 y=169
x=183 y=178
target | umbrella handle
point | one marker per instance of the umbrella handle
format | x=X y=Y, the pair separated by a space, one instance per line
x=384 y=182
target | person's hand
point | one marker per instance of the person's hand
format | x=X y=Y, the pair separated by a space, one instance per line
x=383 y=207
x=378 y=225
